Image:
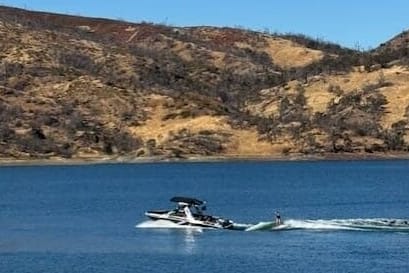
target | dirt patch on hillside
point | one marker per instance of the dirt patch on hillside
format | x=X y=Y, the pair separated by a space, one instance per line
x=287 y=54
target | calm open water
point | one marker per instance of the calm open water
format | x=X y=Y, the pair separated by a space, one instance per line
x=339 y=216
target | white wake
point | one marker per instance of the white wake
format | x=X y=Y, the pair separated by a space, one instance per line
x=371 y=224
x=374 y=224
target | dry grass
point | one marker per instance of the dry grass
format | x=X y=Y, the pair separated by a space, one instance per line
x=397 y=95
x=242 y=142
x=268 y=106
x=318 y=96
x=181 y=50
x=115 y=85
x=247 y=143
x=288 y=54
x=159 y=129
x=218 y=59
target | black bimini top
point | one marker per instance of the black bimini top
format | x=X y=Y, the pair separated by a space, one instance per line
x=187 y=200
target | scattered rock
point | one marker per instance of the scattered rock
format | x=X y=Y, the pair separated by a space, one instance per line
x=375 y=67
x=86 y=29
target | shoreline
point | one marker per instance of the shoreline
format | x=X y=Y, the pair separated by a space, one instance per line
x=199 y=159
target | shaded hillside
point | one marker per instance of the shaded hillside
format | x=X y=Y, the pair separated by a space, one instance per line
x=78 y=87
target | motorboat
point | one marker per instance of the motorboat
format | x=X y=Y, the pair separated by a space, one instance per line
x=190 y=212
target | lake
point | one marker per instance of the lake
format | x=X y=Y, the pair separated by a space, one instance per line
x=339 y=216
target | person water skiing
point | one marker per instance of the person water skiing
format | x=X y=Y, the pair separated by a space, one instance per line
x=278 y=218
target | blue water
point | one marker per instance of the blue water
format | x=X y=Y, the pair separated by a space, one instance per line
x=339 y=216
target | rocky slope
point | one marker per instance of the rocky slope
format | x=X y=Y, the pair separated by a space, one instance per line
x=75 y=87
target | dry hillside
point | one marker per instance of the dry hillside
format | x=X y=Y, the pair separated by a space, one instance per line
x=75 y=87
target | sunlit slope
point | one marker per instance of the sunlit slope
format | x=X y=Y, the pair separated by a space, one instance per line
x=76 y=87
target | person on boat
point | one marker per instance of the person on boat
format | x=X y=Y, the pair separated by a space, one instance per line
x=278 y=218
x=188 y=213
x=178 y=209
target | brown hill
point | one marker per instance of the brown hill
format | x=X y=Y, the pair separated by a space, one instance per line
x=75 y=87
x=399 y=42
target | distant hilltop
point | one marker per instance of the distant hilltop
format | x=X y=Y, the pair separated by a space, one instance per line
x=77 y=88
